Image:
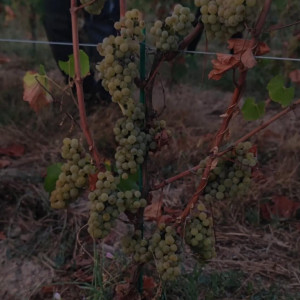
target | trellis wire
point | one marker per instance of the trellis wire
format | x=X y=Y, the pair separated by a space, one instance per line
x=2 y=40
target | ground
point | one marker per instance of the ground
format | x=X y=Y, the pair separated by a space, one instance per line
x=43 y=251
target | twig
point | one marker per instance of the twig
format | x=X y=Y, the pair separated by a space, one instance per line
x=267 y=123
x=79 y=89
x=84 y=5
x=278 y=27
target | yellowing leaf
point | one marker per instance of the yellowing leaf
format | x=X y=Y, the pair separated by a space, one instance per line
x=36 y=89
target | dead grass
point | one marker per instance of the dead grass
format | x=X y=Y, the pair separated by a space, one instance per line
x=43 y=246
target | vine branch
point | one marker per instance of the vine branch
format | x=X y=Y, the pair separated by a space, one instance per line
x=79 y=89
x=228 y=116
x=219 y=154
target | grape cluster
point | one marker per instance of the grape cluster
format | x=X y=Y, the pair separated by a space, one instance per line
x=167 y=34
x=132 y=140
x=108 y=202
x=199 y=234
x=131 y=26
x=232 y=175
x=95 y=8
x=164 y=245
x=119 y=67
x=74 y=175
x=137 y=246
x=223 y=18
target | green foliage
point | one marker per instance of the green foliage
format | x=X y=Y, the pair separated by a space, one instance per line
x=129 y=184
x=53 y=172
x=279 y=93
x=68 y=66
x=252 y=110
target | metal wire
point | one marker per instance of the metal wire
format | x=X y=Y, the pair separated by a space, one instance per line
x=148 y=48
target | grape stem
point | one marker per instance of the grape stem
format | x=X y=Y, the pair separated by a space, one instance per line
x=172 y=54
x=79 y=90
x=85 y=5
x=219 y=154
x=228 y=116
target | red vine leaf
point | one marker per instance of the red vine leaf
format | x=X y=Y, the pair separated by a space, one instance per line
x=13 y=150
x=153 y=211
x=4 y=59
x=35 y=90
x=295 y=76
x=280 y=207
x=92 y=181
x=4 y=163
x=165 y=219
x=2 y=236
x=149 y=286
x=124 y=291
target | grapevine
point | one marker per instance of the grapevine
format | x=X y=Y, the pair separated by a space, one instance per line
x=226 y=174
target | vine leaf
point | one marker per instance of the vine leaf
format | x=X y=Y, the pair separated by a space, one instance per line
x=153 y=211
x=243 y=57
x=295 y=76
x=36 y=89
x=279 y=93
x=68 y=66
x=53 y=172
x=13 y=150
x=129 y=184
x=252 y=110
x=279 y=207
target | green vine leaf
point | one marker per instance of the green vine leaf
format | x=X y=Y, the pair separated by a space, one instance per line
x=53 y=172
x=252 y=110
x=279 y=93
x=68 y=66
x=130 y=183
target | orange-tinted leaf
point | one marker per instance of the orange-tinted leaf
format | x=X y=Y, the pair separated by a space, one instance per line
x=4 y=163
x=2 y=236
x=248 y=59
x=13 y=150
x=4 y=59
x=48 y=289
x=239 y=45
x=165 y=219
x=222 y=64
x=36 y=89
x=262 y=48
x=295 y=76
x=280 y=207
x=153 y=211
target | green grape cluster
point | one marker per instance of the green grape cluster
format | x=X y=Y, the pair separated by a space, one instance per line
x=168 y=34
x=199 y=234
x=131 y=26
x=95 y=8
x=74 y=175
x=107 y=202
x=223 y=18
x=165 y=245
x=137 y=247
x=132 y=140
x=119 y=67
x=232 y=175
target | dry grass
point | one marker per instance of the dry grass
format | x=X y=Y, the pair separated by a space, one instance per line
x=43 y=244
